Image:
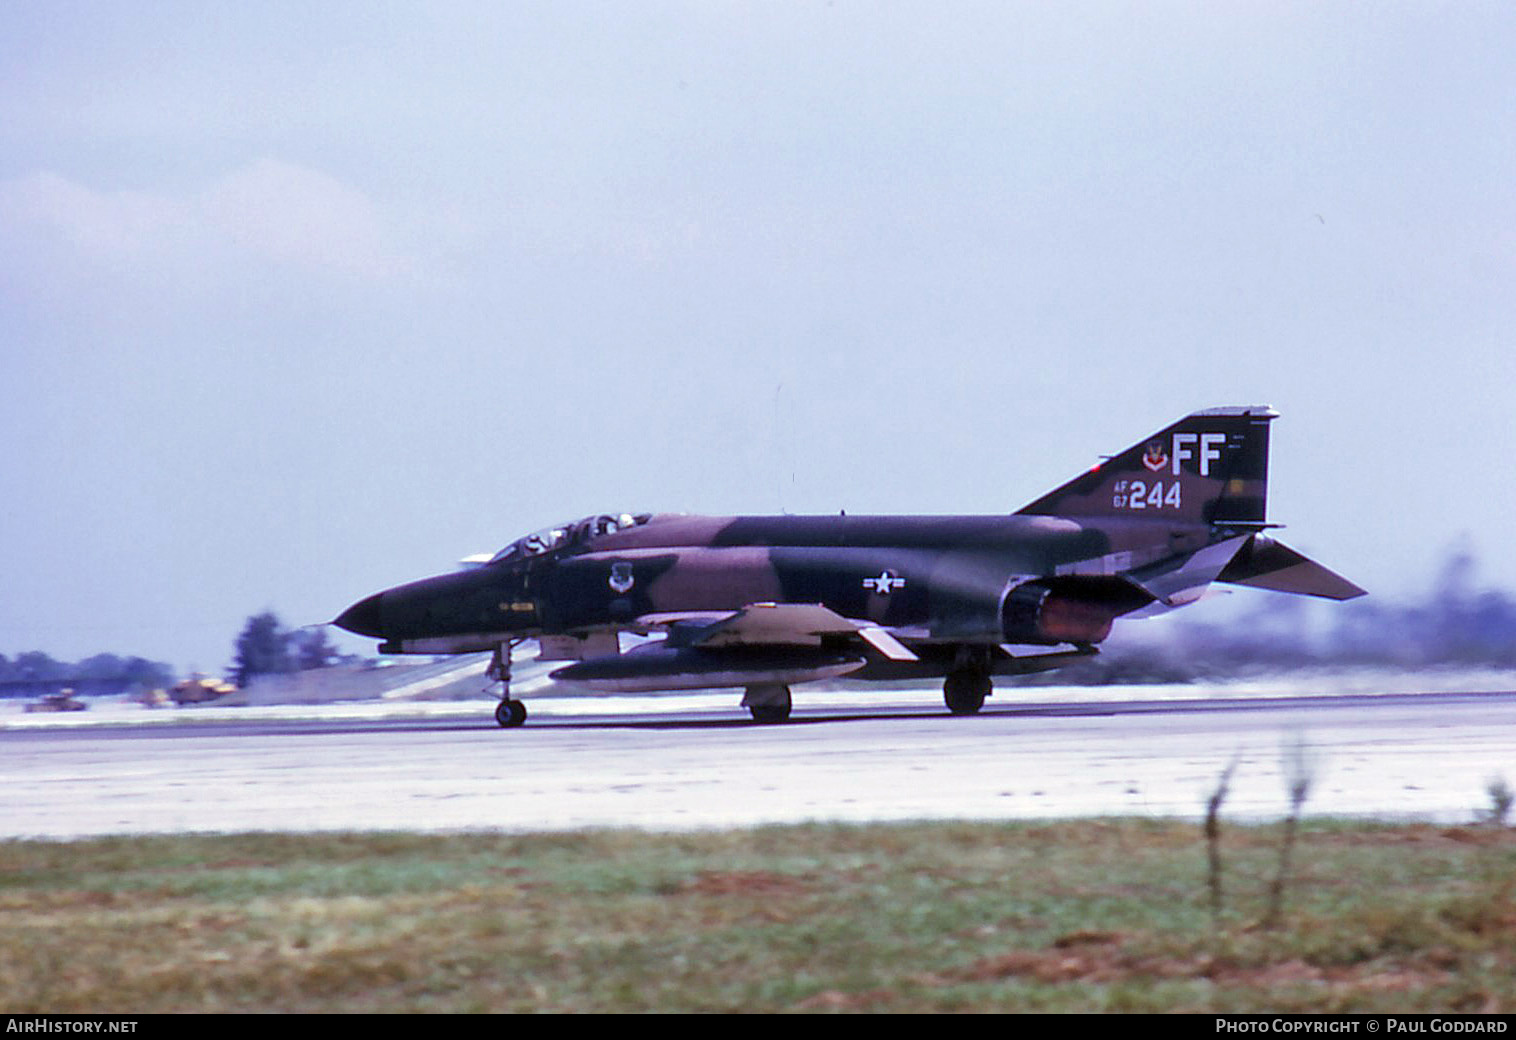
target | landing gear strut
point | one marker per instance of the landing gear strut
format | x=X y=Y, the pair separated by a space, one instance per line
x=509 y=713
x=768 y=702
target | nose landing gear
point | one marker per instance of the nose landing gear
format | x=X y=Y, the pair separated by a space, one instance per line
x=509 y=713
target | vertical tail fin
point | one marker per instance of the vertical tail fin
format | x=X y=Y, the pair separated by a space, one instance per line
x=1209 y=467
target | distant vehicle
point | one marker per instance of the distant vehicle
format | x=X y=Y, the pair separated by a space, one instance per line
x=200 y=690
x=765 y=603
x=154 y=698
x=63 y=700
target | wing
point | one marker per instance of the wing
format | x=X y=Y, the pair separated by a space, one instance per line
x=775 y=624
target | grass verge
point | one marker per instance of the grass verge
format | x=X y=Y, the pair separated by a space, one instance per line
x=1109 y=915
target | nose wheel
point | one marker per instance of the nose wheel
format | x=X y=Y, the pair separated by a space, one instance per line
x=510 y=713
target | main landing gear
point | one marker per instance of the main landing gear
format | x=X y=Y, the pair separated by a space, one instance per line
x=768 y=702
x=964 y=692
x=509 y=713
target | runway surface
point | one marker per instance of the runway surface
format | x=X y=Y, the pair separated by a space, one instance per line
x=694 y=762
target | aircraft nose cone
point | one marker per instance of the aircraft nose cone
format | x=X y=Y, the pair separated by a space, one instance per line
x=364 y=618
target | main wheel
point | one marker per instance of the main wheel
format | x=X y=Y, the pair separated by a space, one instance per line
x=964 y=692
x=770 y=712
x=510 y=714
x=769 y=702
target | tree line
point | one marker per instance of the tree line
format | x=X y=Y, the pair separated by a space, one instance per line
x=266 y=647
x=35 y=673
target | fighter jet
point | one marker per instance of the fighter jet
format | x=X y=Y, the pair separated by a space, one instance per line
x=768 y=602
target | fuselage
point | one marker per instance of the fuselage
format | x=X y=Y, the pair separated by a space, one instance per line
x=935 y=578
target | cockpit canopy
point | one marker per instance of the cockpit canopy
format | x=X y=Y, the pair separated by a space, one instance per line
x=550 y=538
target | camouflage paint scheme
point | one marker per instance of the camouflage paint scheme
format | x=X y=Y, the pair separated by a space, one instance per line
x=765 y=602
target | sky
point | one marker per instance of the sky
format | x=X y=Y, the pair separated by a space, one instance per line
x=300 y=301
